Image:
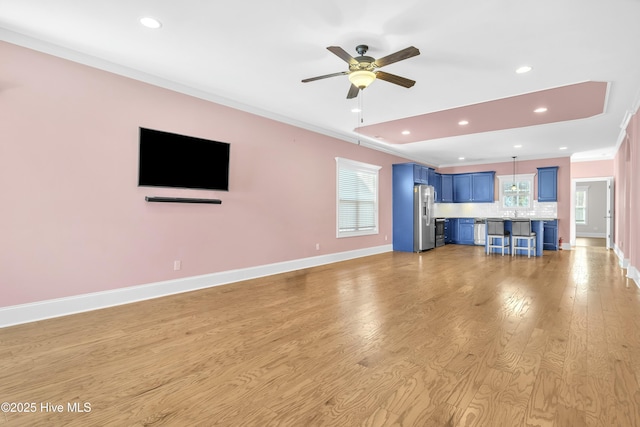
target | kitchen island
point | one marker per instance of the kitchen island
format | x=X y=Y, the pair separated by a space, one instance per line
x=537 y=226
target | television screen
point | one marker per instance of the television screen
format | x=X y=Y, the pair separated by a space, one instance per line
x=172 y=160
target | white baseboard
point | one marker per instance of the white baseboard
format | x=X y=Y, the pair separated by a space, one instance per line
x=633 y=273
x=31 y=312
x=622 y=261
x=596 y=235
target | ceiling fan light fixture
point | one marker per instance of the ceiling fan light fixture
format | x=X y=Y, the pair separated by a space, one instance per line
x=361 y=78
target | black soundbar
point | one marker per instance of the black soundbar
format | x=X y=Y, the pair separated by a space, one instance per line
x=182 y=200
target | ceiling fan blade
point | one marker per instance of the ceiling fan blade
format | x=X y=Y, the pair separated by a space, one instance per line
x=342 y=54
x=353 y=92
x=326 y=76
x=392 y=78
x=398 y=56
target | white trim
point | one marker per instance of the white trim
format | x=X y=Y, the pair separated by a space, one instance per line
x=610 y=205
x=634 y=274
x=31 y=312
x=596 y=235
x=622 y=261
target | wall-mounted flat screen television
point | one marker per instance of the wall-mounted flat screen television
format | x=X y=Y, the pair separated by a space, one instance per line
x=179 y=161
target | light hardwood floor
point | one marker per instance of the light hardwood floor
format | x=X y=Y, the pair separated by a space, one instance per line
x=450 y=337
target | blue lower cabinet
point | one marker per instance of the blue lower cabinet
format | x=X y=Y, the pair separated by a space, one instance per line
x=465 y=231
x=453 y=226
x=550 y=235
x=447 y=231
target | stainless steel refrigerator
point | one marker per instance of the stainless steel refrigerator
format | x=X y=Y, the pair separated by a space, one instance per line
x=424 y=222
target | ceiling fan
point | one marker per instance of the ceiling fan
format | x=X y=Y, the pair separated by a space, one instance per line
x=363 y=70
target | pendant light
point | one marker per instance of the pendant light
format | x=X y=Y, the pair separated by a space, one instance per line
x=514 y=187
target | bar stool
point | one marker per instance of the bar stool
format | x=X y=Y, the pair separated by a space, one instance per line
x=521 y=231
x=497 y=237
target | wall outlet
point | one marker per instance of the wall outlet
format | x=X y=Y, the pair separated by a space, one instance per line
x=385 y=238
x=317 y=246
x=177 y=264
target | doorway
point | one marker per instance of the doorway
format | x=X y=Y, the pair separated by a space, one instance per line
x=592 y=212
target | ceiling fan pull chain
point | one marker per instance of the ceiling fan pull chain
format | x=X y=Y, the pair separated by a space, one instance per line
x=361 y=101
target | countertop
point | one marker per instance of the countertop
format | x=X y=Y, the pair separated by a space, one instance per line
x=532 y=218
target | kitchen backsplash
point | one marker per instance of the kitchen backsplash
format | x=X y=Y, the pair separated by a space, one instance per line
x=494 y=210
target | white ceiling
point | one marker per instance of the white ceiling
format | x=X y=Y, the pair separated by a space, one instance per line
x=253 y=55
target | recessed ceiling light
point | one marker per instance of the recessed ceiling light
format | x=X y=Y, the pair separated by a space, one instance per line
x=463 y=122
x=460 y=158
x=524 y=69
x=563 y=148
x=517 y=146
x=406 y=132
x=355 y=110
x=150 y=22
x=540 y=110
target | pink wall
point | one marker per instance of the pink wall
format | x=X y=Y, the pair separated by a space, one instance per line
x=592 y=169
x=530 y=166
x=74 y=221
x=627 y=194
x=634 y=222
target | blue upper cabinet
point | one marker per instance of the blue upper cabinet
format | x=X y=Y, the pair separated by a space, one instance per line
x=548 y=184
x=473 y=187
x=437 y=185
x=482 y=187
x=446 y=190
x=462 y=188
x=422 y=174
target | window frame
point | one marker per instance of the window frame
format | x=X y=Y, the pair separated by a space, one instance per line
x=585 y=190
x=508 y=179
x=373 y=172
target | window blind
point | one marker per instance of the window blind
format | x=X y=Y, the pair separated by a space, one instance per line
x=357 y=201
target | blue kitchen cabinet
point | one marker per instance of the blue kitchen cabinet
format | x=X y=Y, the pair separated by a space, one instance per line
x=482 y=187
x=419 y=174
x=548 y=184
x=423 y=174
x=431 y=177
x=402 y=206
x=550 y=235
x=462 y=188
x=465 y=231
x=446 y=188
x=473 y=187
x=453 y=226
x=447 y=231
x=437 y=186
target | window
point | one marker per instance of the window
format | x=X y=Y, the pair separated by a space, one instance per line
x=357 y=198
x=518 y=194
x=581 y=205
